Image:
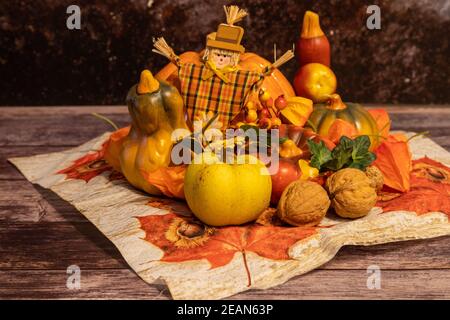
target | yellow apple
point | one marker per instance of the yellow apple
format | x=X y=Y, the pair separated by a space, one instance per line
x=222 y=194
x=315 y=81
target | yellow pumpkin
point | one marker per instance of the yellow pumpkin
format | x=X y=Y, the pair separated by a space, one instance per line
x=325 y=114
x=276 y=84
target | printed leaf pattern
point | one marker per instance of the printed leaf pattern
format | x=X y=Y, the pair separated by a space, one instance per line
x=185 y=239
x=90 y=166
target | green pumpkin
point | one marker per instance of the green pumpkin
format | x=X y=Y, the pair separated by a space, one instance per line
x=324 y=114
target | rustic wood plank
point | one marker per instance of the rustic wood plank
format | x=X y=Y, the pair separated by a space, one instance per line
x=417 y=254
x=70 y=126
x=95 y=284
x=55 y=245
x=352 y=284
x=318 y=284
x=20 y=201
x=76 y=110
x=443 y=141
x=56 y=126
x=54 y=130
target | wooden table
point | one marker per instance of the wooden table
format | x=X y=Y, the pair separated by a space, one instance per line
x=41 y=235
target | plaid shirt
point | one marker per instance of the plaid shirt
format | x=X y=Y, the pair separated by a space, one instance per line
x=214 y=94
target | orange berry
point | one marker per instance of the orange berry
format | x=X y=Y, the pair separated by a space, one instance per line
x=252 y=115
x=250 y=105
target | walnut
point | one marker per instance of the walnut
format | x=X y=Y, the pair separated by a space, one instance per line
x=303 y=203
x=351 y=192
x=376 y=177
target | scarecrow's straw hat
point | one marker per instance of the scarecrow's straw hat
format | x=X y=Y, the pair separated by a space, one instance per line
x=228 y=36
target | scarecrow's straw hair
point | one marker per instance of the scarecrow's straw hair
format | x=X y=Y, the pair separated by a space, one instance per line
x=234 y=14
x=162 y=48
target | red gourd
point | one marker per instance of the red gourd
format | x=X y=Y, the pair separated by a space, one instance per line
x=313 y=45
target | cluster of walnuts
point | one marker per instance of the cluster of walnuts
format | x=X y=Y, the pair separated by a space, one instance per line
x=350 y=192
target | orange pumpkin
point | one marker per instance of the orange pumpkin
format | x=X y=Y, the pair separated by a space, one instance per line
x=276 y=84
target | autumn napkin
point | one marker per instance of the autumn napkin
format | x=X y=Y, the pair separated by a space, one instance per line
x=161 y=240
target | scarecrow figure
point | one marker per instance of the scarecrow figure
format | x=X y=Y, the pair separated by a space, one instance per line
x=219 y=85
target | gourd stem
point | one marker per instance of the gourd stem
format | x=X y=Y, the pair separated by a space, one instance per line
x=147 y=83
x=335 y=102
x=311 y=26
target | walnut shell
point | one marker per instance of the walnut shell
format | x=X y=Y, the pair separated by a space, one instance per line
x=376 y=177
x=351 y=192
x=303 y=203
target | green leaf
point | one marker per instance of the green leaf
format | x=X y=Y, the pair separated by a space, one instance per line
x=319 y=154
x=363 y=161
x=347 y=154
x=361 y=146
x=361 y=155
x=341 y=154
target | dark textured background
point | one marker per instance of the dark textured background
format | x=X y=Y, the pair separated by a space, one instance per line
x=44 y=63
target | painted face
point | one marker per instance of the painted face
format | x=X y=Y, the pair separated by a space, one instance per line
x=220 y=59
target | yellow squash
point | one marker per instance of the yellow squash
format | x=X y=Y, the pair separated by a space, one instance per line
x=156 y=110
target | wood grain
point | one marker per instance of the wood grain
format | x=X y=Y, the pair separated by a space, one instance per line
x=41 y=235
x=95 y=284
x=63 y=127
x=352 y=284
x=56 y=245
x=318 y=284
x=20 y=201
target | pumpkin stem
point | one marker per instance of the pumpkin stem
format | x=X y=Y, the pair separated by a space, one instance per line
x=335 y=102
x=147 y=84
x=311 y=26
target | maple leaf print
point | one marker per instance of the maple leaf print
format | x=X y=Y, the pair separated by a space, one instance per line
x=185 y=239
x=90 y=166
